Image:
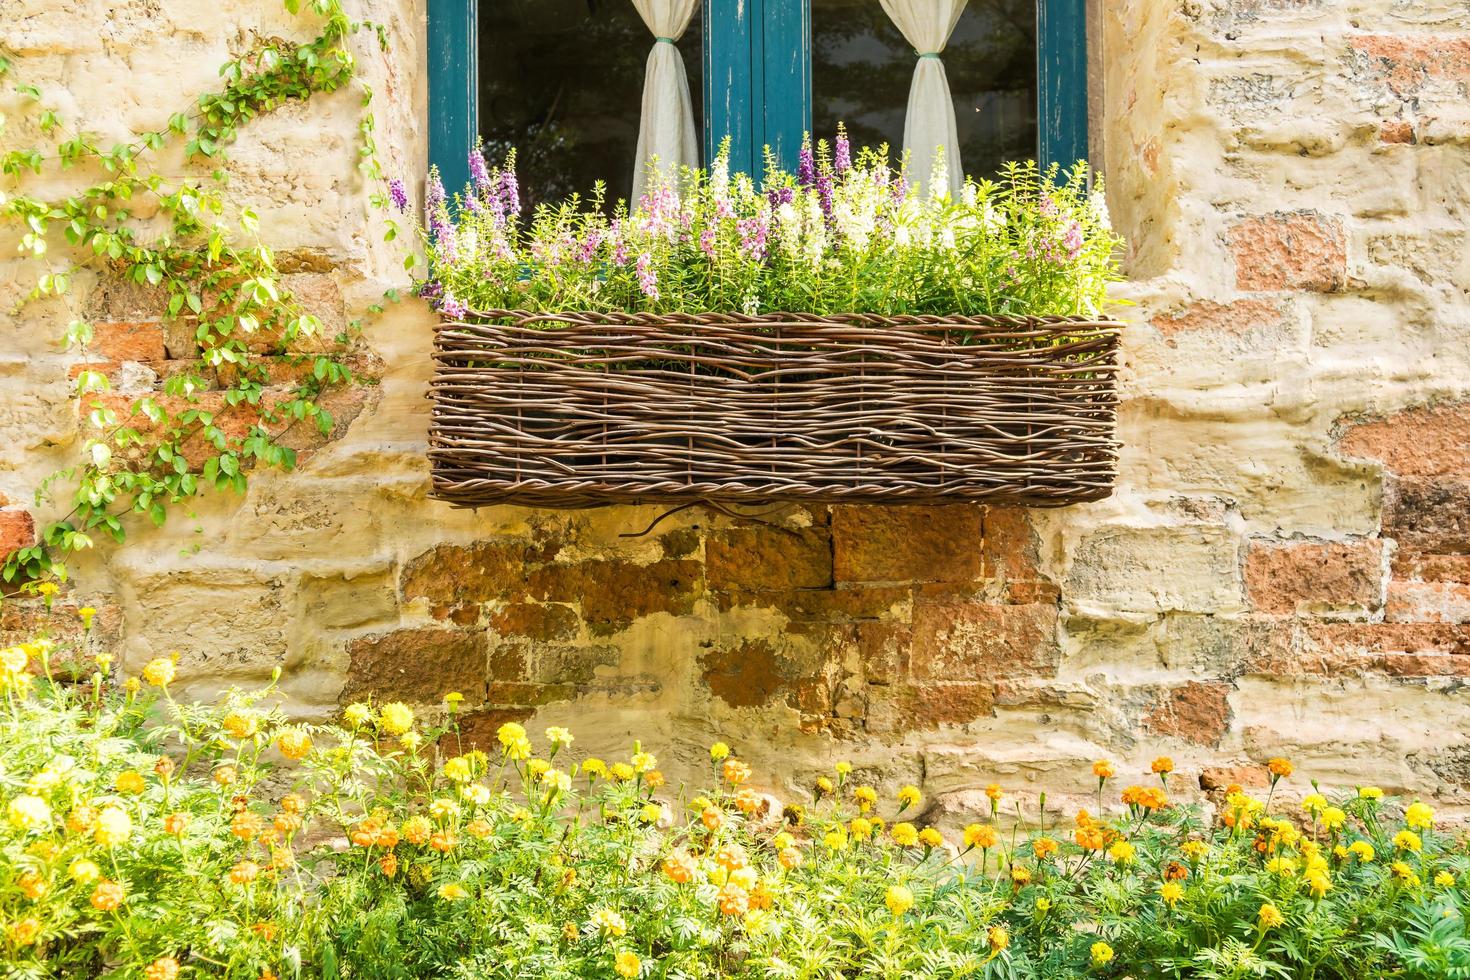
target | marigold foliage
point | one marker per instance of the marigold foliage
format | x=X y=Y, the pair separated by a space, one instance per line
x=384 y=848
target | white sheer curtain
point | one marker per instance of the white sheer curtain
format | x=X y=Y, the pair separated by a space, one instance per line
x=929 y=125
x=666 y=130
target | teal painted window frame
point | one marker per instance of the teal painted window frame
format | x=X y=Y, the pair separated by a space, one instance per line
x=756 y=56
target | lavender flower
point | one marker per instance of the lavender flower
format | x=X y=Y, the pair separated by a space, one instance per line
x=842 y=155
x=1073 y=240
x=479 y=175
x=399 y=195
x=451 y=307
x=434 y=197
x=647 y=278
x=778 y=196
x=824 y=194
x=510 y=192
x=753 y=234
x=806 y=164
x=707 y=242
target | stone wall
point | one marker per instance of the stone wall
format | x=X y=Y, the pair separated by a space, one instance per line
x=1285 y=567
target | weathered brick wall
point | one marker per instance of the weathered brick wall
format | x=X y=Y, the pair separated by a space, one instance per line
x=1285 y=567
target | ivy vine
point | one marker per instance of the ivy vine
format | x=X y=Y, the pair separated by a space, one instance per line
x=208 y=261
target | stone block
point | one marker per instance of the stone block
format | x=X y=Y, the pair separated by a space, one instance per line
x=1188 y=568
x=907 y=543
x=419 y=665
x=769 y=558
x=1320 y=578
x=1289 y=250
x=17 y=530
x=1417 y=442
x=984 y=642
x=1197 y=712
x=1428 y=513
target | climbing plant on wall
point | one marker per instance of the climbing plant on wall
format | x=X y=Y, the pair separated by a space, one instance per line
x=208 y=262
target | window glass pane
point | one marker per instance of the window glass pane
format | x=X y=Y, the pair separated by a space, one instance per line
x=562 y=82
x=862 y=66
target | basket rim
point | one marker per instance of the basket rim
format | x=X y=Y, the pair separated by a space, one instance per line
x=475 y=317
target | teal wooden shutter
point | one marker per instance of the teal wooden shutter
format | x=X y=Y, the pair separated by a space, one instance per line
x=757 y=80
x=1061 y=81
x=454 y=76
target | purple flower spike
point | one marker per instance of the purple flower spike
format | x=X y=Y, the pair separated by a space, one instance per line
x=478 y=172
x=399 y=194
x=435 y=195
x=842 y=155
x=451 y=307
x=778 y=196
x=806 y=165
x=510 y=192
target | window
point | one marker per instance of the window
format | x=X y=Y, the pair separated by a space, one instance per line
x=562 y=80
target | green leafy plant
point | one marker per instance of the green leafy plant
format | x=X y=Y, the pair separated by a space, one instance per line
x=843 y=234
x=141 y=835
x=206 y=261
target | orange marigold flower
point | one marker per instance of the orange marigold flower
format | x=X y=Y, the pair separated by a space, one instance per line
x=789 y=857
x=164 y=768
x=1090 y=838
x=1162 y=766
x=244 y=873
x=294 y=745
x=107 y=896
x=388 y=864
x=292 y=803
x=733 y=899
x=761 y=897
x=1279 y=767
x=679 y=868
x=442 y=841
x=747 y=801
x=653 y=779
x=282 y=858
x=711 y=818
x=131 y=782
x=1043 y=847
x=1103 y=769
x=731 y=857
x=175 y=824
x=80 y=820
x=247 y=826
x=286 y=823
x=32 y=885
x=24 y=932
x=736 y=772
x=994 y=792
x=265 y=930
x=416 y=829
x=479 y=828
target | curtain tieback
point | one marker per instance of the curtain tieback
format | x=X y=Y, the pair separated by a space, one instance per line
x=663 y=40
x=928 y=54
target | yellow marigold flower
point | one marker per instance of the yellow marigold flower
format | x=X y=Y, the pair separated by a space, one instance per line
x=825 y=786
x=1370 y=793
x=651 y=813
x=782 y=839
x=163 y=968
x=443 y=808
x=83 y=871
x=1194 y=849
x=1269 y=916
x=644 y=761
x=453 y=892
x=103 y=661
x=622 y=772
x=113 y=827
x=1020 y=874
x=1444 y=879
x=595 y=767
x=559 y=736
x=904 y=834
x=1121 y=852
x=476 y=794
x=538 y=766
x=789 y=858
x=453 y=698
x=1171 y=892
x=861 y=828
x=1043 y=905
x=865 y=796
x=981 y=835
x=25 y=931
x=107 y=896
x=226 y=776
x=627 y=964
x=294 y=744
x=1419 y=816
x=1280 y=768
x=32 y=885
x=1407 y=840
x=457 y=769
x=1162 y=766
x=719 y=751
x=609 y=922
x=160 y=672
x=1283 y=866
x=244 y=872
x=1314 y=803
x=1044 y=847
x=1102 y=953
x=909 y=796
x=898 y=899
x=28 y=812
x=510 y=733
x=736 y=772
x=131 y=782
x=240 y=724
x=13 y=660
x=843 y=769
x=416 y=829
x=1404 y=873
x=743 y=877
x=1319 y=882
x=994 y=792
x=357 y=714
x=1103 y=769
x=395 y=718
x=1333 y=818
x=997 y=938
x=931 y=838
x=835 y=840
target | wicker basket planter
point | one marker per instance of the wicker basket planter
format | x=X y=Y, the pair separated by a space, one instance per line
x=581 y=409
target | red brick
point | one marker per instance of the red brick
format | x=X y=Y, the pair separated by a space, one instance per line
x=747 y=675
x=1194 y=711
x=1426 y=441
x=1300 y=578
x=1396 y=131
x=420 y=665
x=1406 y=62
x=536 y=622
x=1430 y=514
x=906 y=544
x=1220 y=777
x=1237 y=317
x=1289 y=250
x=1353 y=649
x=769 y=558
x=1417 y=566
x=123 y=340
x=1008 y=546
x=452 y=574
x=615 y=593
x=17 y=530
x=1428 y=602
x=984 y=642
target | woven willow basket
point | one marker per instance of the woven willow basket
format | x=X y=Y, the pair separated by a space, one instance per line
x=581 y=409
